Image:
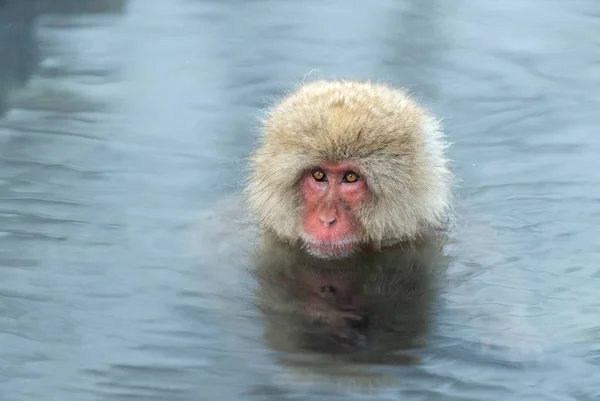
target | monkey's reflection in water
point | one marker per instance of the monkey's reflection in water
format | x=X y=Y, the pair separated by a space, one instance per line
x=369 y=309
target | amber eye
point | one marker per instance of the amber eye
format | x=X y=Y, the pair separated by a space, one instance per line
x=318 y=175
x=351 y=176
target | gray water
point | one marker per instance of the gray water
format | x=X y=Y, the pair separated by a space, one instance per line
x=124 y=125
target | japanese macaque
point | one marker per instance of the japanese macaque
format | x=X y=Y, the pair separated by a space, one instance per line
x=345 y=167
x=351 y=189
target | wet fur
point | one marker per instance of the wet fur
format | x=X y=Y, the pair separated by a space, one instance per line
x=393 y=292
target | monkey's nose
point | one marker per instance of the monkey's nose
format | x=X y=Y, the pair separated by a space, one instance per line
x=327 y=221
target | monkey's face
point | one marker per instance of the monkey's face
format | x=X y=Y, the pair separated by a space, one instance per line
x=329 y=209
x=332 y=194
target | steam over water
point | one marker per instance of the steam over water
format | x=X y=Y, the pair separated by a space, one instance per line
x=123 y=124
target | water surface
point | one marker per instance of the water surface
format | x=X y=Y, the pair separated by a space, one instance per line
x=128 y=134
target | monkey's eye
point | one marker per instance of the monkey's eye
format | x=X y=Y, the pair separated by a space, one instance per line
x=318 y=175
x=351 y=176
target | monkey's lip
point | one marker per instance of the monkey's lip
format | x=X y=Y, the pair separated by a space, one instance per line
x=332 y=248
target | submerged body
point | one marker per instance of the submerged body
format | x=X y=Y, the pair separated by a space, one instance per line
x=345 y=167
x=369 y=308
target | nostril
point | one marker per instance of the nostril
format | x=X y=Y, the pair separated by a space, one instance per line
x=328 y=222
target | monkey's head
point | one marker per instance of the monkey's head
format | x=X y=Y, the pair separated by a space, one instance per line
x=345 y=165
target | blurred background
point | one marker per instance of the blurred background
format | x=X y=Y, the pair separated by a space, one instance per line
x=122 y=125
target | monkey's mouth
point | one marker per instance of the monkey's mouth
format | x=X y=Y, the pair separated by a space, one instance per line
x=331 y=249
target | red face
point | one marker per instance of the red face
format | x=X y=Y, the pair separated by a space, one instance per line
x=332 y=195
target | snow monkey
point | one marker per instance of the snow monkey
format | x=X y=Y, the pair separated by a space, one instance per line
x=347 y=167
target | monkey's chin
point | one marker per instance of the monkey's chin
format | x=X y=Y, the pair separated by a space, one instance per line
x=330 y=251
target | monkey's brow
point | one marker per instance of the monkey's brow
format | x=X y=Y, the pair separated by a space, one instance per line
x=373 y=149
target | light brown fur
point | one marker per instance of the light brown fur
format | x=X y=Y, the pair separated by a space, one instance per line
x=398 y=145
